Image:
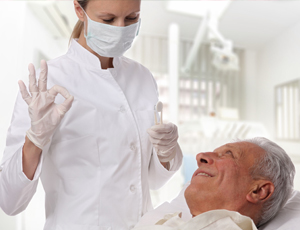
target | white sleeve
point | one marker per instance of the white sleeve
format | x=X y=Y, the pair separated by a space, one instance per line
x=158 y=175
x=15 y=188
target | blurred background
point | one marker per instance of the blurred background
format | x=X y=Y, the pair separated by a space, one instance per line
x=224 y=69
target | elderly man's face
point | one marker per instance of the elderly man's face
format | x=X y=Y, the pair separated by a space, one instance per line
x=223 y=179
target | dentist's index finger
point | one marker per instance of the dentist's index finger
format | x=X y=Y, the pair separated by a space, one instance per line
x=43 y=76
x=59 y=90
x=32 y=79
x=66 y=105
x=25 y=95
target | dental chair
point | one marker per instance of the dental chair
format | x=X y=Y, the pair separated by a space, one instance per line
x=288 y=217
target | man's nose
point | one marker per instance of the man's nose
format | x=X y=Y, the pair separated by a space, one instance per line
x=204 y=158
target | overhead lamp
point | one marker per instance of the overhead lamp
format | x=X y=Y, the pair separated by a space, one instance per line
x=224 y=58
x=222 y=49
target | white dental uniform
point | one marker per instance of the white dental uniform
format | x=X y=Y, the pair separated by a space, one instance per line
x=99 y=166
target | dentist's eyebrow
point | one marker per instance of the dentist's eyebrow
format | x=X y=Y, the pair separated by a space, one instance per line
x=136 y=12
x=112 y=15
x=105 y=14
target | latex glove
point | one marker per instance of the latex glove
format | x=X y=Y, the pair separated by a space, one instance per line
x=45 y=115
x=164 y=139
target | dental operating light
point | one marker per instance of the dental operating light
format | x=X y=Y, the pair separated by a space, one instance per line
x=222 y=49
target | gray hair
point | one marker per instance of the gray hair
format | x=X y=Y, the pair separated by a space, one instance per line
x=277 y=167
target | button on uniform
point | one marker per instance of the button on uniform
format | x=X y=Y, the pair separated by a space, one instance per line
x=122 y=109
x=132 y=147
x=132 y=188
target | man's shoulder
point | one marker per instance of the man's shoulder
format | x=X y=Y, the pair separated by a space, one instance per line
x=211 y=220
x=215 y=218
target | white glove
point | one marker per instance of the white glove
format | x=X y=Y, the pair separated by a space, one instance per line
x=164 y=139
x=45 y=115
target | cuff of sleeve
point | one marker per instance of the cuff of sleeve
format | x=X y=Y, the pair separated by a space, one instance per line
x=176 y=162
x=161 y=169
x=158 y=174
x=38 y=170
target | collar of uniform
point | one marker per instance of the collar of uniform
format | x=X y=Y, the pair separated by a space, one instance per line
x=85 y=57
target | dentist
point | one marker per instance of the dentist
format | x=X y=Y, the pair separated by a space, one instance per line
x=84 y=129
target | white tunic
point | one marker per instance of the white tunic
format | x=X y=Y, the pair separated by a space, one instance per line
x=99 y=166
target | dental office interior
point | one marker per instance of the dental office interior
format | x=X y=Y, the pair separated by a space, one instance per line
x=225 y=70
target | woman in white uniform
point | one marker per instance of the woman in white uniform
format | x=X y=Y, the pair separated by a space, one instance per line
x=85 y=134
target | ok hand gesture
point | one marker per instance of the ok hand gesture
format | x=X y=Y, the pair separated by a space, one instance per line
x=45 y=115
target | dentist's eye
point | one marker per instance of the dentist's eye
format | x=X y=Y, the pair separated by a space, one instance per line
x=108 y=20
x=132 y=19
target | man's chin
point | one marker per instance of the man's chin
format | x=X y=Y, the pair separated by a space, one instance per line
x=191 y=192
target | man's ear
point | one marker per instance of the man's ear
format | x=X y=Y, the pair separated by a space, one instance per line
x=79 y=11
x=260 y=192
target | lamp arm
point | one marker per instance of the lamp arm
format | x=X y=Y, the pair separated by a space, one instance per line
x=200 y=36
x=216 y=33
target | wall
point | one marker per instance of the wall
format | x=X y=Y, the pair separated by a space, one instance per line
x=278 y=62
x=248 y=85
x=24 y=37
x=274 y=63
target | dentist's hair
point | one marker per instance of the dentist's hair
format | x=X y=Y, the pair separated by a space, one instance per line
x=79 y=25
x=277 y=167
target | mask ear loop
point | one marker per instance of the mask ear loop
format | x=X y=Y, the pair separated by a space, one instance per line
x=139 y=26
x=85 y=23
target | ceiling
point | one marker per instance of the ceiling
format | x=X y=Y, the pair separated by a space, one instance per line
x=249 y=24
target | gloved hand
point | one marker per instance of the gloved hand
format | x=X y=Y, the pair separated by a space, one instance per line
x=45 y=115
x=164 y=139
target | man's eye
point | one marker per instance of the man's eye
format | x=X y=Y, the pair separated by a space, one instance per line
x=229 y=152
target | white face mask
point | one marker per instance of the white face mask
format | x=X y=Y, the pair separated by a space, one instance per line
x=110 y=41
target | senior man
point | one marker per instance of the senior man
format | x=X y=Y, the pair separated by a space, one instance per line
x=240 y=185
